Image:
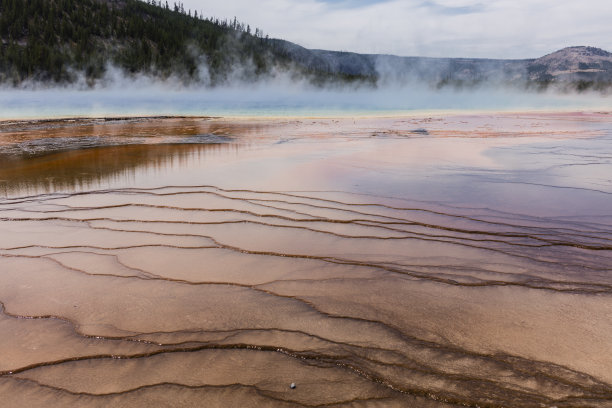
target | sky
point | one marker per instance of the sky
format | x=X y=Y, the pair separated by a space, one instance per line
x=434 y=28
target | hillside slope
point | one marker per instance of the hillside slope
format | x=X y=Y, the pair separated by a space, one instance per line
x=577 y=68
x=65 y=41
x=62 y=40
x=573 y=64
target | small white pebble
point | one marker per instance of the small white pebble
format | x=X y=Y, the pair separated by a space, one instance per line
x=292 y=386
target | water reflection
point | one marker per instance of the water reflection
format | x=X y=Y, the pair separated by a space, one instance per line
x=99 y=167
x=369 y=263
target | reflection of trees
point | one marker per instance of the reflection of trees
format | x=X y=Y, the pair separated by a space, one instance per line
x=77 y=154
x=89 y=168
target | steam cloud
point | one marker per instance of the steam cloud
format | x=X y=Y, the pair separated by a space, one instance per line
x=279 y=93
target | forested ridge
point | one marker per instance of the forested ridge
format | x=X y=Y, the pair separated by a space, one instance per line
x=60 y=41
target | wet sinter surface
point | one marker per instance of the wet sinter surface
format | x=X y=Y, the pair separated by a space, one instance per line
x=373 y=262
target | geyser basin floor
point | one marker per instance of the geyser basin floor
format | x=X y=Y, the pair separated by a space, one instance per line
x=427 y=262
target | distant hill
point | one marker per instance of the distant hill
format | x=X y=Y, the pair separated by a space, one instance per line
x=577 y=68
x=66 y=41
x=393 y=69
x=61 y=41
x=572 y=64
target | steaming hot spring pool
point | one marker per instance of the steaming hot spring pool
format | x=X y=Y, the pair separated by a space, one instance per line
x=382 y=261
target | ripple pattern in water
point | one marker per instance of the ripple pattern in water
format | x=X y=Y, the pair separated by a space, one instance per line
x=208 y=295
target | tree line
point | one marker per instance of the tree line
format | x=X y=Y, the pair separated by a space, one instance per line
x=61 y=40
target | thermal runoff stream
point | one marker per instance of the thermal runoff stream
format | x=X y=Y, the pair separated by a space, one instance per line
x=433 y=261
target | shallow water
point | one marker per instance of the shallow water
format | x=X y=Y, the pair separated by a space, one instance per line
x=401 y=261
x=279 y=98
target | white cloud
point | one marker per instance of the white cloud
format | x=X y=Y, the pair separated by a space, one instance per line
x=455 y=28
